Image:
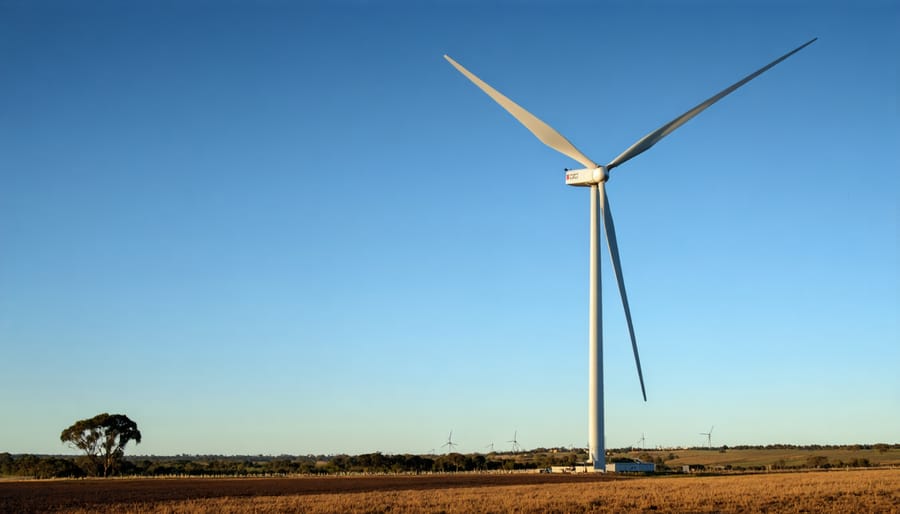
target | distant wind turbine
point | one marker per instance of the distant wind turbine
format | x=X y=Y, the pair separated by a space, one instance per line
x=641 y=440
x=595 y=176
x=449 y=444
x=515 y=442
x=708 y=437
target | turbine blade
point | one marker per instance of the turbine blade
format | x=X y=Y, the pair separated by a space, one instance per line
x=654 y=137
x=617 y=268
x=544 y=132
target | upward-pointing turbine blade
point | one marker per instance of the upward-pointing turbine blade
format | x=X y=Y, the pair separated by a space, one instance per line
x=654 y=137
x=617 y=267
x=544 y=132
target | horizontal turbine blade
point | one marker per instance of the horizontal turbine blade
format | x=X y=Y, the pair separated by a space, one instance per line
x=654 y=137
x=617 y=268
x=544 y=132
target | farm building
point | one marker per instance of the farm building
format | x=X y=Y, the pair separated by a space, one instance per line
x=631 y=466
x=635 y=466
x=577 y=468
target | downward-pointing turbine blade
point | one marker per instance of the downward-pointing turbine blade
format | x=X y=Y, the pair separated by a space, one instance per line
x=544 y=132
x=610 y=230
x=652 y=138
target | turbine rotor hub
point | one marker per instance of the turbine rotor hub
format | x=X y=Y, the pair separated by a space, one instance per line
x=601 y=174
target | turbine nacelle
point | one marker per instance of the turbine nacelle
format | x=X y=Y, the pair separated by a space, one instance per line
x=587 y=176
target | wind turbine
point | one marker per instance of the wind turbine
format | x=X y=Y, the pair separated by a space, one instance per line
x=595 y=177
x=641 y=440
x=708 y=437
x=515 y=442
x=449 y=444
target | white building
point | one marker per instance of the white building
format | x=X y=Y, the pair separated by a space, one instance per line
x=577 y=468
x=631 y=467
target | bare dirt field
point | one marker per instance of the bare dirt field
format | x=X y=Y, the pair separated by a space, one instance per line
x=833 y=491
x=61 y=495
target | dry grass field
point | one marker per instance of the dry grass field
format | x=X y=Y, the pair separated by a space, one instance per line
x=832 y=491
x=756 y=457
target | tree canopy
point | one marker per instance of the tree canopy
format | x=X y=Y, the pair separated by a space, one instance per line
x=102 y=439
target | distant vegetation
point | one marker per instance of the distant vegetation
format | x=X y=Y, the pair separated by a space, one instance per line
x=739 y=458
x=769 y=458
x=260 y=465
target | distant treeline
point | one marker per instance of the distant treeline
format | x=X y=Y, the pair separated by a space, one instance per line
x=851 y=447
x=55 y=466
x=184 y=465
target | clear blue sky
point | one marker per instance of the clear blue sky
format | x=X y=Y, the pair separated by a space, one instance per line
x=280 y=228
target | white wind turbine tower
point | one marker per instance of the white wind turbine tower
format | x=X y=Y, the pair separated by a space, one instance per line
x=595 y=177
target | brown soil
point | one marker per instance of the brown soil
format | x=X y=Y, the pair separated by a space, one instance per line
x=57 y=495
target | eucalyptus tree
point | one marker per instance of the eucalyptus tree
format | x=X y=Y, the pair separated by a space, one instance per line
x=102 y=439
